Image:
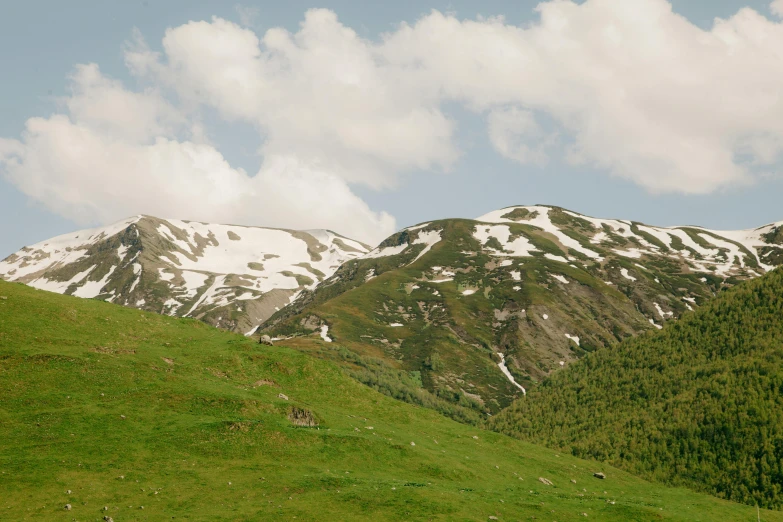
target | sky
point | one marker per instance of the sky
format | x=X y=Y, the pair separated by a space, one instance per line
x=365 y=117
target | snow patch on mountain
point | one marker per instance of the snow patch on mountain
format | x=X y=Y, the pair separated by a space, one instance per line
x=429 y=239
x=57 y=251
x=504 y=369
x=661 y=313
x=60 y=286
x=721 y=255
x=325 y=334
x=92 y=289
x=518 y=247
x=189 y=268
x=633 y=253
x=541 y=220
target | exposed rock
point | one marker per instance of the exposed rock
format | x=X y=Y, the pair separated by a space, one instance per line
x=283 y=396
x=181 y=260
x=302 y=417
x=599 y=475
x=311 y=322
x=265 y=339
x=67 y=507
x=503 y=258
x=544 y=481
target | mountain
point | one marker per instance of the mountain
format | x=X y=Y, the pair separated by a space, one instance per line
x=113 y=413
x=229 y=276
x=481 y=310
x=698 y=404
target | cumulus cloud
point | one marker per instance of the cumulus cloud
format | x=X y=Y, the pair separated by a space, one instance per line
x=115 y=155
x=777 y=8
x=640 y=91
x=643 y=92
x=105 y=106
x=627 y=86
x=322 y=93
x=511 y=132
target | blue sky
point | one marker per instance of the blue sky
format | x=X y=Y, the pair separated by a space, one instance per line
x=41 y=43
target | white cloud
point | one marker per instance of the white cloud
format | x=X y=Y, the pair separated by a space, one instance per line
x=105 y=106
x=777 y=8
x=110 y=158
x=322 y=93
x=513 y=133
x=644 y=93
x=247 y=14
x=632 y=87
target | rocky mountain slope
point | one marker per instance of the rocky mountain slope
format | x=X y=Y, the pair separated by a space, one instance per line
x=480 y=310
x=233 y=277
x=697 y=404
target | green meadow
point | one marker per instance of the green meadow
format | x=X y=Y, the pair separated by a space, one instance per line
x=129 y=415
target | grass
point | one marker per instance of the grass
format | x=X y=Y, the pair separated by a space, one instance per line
x=463 y=330
x=104 y=406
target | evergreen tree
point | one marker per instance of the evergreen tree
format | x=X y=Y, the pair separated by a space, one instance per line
x=698 y=404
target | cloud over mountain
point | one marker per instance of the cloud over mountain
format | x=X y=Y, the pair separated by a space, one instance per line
x=627 y=86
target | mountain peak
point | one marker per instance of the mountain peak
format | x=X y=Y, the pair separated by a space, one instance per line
x=228 y=275
x=483 y=308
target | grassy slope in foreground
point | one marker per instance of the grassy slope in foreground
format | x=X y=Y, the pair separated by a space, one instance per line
x=127 y=409
x=697 y=404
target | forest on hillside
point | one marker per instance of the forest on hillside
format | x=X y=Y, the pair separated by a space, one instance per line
x=698 y=404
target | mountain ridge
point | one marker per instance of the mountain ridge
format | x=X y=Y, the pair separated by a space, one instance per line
x=523 y=290
x=184 y=268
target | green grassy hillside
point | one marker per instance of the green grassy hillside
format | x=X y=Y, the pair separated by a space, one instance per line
x=109 y=407
x=698 y=404
x=447 y=301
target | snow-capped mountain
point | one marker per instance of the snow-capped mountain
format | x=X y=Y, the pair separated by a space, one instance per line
x=483 y=308
x=720 y=252
x=229 y=276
